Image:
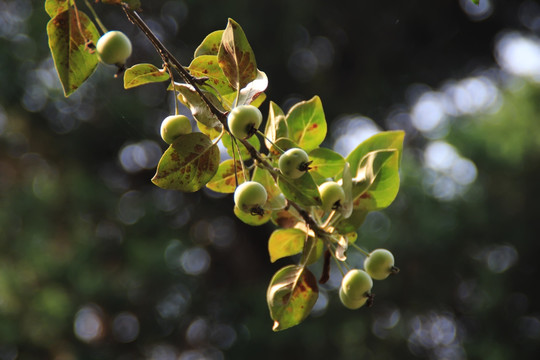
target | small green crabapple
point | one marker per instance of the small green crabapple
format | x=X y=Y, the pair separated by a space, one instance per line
x=294 y=163
x=173 y=126
x=332 y=195
x=379 y=264
x=244 y=121
x=113 y=48
x=250 y=197
x=355 y=290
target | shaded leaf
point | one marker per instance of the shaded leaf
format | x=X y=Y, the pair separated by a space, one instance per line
x=207 y=66
x=210 y=44
x=225 y=180
x=291 y=295
x=346 y=207
x=303 y=190
x=188 y=164
x=55 y=7
x=236 y=57
x=476 y=2
x=73 y=59
x=141 y=74
x=252 y=219
x=286 y=218
x=307 y=123
x=285 y=242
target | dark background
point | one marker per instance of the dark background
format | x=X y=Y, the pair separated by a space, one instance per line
x=97 y=263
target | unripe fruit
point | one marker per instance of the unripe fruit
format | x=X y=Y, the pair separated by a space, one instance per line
x=349 y=303
x=294 y=163
x=113 y=48
x=244 y=120
x=250 y=197
x=356 y=284
x=379 y=264
x=332 y=195
x=173 y=126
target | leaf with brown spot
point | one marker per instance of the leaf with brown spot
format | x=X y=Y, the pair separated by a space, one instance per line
x=217 y=83
x=291 y=295
x=54 y=7
x=235 y=56
x=225 y=181
x=210 y=44
x=141 y=74
x=188 y=164
x=73 y=59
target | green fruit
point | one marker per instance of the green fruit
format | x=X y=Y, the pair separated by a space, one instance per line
x=244 y=120
x=332 y=195
x=349 y=303
x=173 y=126
x=379 y=264
x=113 y=48
x=294 y=163
x=250 y=197
x=355 y=290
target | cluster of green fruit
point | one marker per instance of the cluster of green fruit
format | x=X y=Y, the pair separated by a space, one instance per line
x=355 y=290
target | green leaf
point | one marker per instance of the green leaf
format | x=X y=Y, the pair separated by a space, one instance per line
x=218 y=84
x=141 y=74
x=225 y=180
x=210 y=44
x=251 y=219
x=326 y=163
x=353 y=222
x=236 y=57
x=55 y=7
x=307 y=123
x=291 y=295
x=276 y=200
x=346 y=207
x=252 y=91
x=476 y=2
x=244 y=154
x=303 y=190
x=276 y=126
x=73 y=59
x=200 y=110
x=188 y=164
x=377 y=174
x=285 y=242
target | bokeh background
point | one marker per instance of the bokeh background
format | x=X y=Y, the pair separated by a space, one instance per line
x=97 y=263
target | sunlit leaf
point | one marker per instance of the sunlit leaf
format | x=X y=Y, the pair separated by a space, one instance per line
x=252 y=219
x=55 y=7
x=71 y=34
x=244 y=153
x=141 y=74
x=236 y=57
x=276 y=200
x=303 y=190
x=285 y=242
x=217 y=83
x=346 y=207
x=307 y=123
x=253 y=90
x=188 y=164
x=312 y=251
x=377 y=175
x=210 y=44
x=225 y=179
x=276 y=126
x=326 y=163
x=291 y=295
x=200 y=110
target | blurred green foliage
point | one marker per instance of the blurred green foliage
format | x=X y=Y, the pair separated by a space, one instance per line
x=97 y=263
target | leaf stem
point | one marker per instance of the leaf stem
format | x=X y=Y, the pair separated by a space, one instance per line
x=359 y=249
x=96 y=17
x=168 y=58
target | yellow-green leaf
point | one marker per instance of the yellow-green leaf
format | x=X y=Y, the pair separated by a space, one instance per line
x=71 y=34
x=188 y=164
x=307 y=123
x=141 y=74
x=225 y=179
x=285 y=242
